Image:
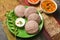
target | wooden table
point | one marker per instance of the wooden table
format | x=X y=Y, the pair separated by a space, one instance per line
x=6 y=5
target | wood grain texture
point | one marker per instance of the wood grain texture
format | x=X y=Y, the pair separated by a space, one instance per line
x=51 y=25
x=7 y=5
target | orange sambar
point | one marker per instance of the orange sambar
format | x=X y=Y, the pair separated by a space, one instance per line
x=48 y=6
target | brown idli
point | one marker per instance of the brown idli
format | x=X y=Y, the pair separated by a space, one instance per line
x=31 y=27
x=35 y=17
x=29 y=11
x=19 y=10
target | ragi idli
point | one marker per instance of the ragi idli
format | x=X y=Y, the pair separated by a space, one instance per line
x=29 y=11
x=31 y=27
x=35 y=17
x=19 y=10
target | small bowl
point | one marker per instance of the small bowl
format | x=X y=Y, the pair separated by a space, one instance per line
x=33 y=3
x=51 y=11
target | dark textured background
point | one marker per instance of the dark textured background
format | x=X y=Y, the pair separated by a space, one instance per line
x=2 y=34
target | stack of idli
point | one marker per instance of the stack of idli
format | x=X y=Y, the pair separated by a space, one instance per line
x=32 y=26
